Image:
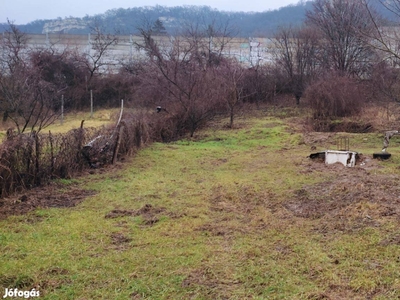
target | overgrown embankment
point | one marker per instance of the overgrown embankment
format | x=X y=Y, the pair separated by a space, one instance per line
x=32 y=160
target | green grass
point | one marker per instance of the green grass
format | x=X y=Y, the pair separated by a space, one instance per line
x=222 y=229
x=73 y=120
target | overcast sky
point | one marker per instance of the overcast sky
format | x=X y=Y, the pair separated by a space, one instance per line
x=24 y=11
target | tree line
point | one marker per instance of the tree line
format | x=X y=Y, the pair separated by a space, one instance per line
x=343 y=55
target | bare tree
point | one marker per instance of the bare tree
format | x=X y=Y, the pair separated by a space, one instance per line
x=384 y=37
x=230 y=76
x=209 y=38
x=340 y=23
x=95 y=60
x=183 y=70
x=385 y=82
x=13 y=49
x=297 y=54
x=27 y=99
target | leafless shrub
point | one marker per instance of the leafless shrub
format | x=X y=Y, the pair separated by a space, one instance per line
x=260 y=84
x=334 y=97
x=385 y=83
x=183 y=75
x=135 y=133
x=169 y=124
x=32 y=160
x=296 y=55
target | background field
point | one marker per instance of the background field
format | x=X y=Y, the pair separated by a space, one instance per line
x=232 y=214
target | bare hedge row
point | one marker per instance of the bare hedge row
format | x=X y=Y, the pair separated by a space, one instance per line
x=32 y=160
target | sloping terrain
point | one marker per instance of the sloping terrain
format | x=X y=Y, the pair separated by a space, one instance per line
x=231 y=214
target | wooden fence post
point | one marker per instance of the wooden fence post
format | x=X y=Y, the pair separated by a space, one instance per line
x=118 y=143
x=80 y=142
x=51 y=154
x=37 y=173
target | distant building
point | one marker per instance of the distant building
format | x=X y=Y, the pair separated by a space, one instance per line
x=249 y=52
x=64 y=25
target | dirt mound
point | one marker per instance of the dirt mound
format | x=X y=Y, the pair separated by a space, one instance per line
x=149 y=213
x=351 y=199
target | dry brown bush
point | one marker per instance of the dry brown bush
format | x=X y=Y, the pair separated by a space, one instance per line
x=27 y=161
x=334 y=97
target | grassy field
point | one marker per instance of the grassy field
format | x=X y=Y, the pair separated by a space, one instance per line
x=232 y=214
x=73 y=120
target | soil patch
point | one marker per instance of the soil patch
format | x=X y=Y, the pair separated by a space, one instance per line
x=351 y=199
x=119 y=238
x=146 y=211
x=149 y=213
x=52 y=195
x=393 y=240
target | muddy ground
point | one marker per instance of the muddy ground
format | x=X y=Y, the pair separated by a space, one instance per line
x=55 y=194
x=52 y=195
x=352 y=199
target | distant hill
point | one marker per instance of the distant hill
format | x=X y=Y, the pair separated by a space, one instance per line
x=125 y=21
